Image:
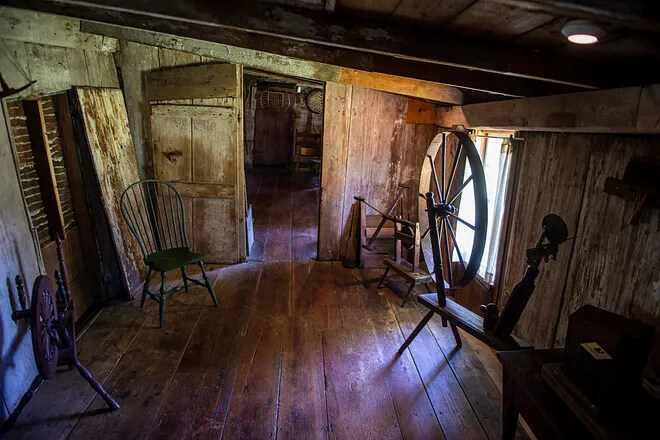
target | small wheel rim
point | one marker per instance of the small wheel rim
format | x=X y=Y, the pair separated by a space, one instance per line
x=445 y=189
x=43 y=315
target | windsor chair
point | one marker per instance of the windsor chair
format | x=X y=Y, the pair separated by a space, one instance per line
x=154 y=213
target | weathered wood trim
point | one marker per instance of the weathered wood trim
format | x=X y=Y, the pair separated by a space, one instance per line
x=623 y=110
x=336 y=127
x=188 y=111
x=51 y=30
x=284 y=59
x=204 y=190
x=204 y=81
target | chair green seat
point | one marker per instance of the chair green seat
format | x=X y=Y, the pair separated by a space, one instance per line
x=155 y=216
x=174 y=258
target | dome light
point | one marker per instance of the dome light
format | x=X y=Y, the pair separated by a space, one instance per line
x=582 y=32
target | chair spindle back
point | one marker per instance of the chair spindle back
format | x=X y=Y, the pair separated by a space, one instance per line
x=153 y=210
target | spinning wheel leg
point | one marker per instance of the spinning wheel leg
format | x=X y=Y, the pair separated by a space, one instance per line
x=380 y=283
x=410 y=289
x=112 y=403
x=457 y=336
x=415 y=332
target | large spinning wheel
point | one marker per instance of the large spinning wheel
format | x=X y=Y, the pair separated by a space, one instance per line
x=452 y=165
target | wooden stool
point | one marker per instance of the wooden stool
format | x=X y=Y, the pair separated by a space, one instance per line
x=406 y=270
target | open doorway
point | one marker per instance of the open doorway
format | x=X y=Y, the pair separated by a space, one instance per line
x=283 y=142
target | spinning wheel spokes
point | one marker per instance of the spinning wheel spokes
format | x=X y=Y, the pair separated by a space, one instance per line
x=460 y=211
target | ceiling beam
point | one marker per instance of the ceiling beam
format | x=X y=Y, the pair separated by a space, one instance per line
x=282 y=65
x=333 y=31
x=635 y=14
x=623 y=110
x=320 y=60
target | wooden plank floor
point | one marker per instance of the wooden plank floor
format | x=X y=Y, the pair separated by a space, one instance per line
x=297 y=349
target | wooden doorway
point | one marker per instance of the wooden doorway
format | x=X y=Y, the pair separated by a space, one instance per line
x=283 y=141
x=197 y=133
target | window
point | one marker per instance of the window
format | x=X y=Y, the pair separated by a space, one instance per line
x=495 y=152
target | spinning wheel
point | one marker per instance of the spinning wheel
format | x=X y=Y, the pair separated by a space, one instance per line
x=43 y=318
x=446 y=207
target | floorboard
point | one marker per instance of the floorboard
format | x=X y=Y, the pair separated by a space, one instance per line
x=296 y=349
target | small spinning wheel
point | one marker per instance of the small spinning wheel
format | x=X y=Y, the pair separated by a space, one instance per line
x=43 y=319
x=460 y=167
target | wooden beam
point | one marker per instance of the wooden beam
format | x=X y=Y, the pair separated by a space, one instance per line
x=623 y=110
x=43 y=165
x=635 y=14
x=284 y=65
x=339 y=36
x=51 y=30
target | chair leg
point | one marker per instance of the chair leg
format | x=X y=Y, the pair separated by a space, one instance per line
x=415 y=332
x=161 y=301
x=184 y=275
x=429 y=289
x=410 y=289
x=387 y=269
x=208 y=284
x=145 y=288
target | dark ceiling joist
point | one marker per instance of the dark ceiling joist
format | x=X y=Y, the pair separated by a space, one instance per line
x=635 y=14
x=341 y=41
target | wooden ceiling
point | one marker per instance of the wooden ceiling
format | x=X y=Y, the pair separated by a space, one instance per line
x=490 y=49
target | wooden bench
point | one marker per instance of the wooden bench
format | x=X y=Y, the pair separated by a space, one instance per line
x=456 y=315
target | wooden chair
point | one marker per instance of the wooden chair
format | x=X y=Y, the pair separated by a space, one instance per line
x=154 y=212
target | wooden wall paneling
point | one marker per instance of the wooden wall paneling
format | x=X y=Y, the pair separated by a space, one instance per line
x=18 y=256
x=77 y=63
x=615 y=265
x=551 y=179
x=94 y=285
x=49 y=68
x=134 y=60
x=101 y=67
x=359 y=152
x=15 y=65
x=110 y=144
x=336 y=127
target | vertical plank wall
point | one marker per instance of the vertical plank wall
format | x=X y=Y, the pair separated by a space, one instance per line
x=368 y=150
x=53 y=51
x=610 y=264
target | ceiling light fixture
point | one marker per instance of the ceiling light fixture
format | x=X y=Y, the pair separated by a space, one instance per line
x=582 y=32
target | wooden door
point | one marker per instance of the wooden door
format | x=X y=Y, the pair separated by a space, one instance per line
x=108 y=161
x=197 y=140
x=273 y=127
